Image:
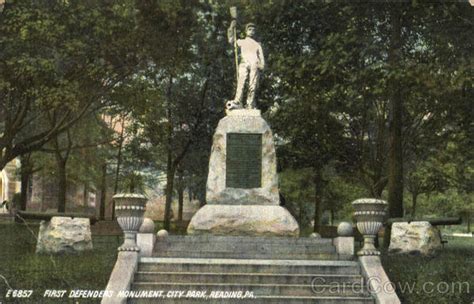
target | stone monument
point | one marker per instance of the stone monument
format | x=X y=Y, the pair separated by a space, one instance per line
x=242 y=185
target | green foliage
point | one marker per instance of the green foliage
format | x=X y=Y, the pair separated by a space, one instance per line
x=448 y=203
x=59 y=59
x=328 y=86
x=166 y=66
x=298 y=190
x=132 y=182
x=90 y=146
x=340 y=193
x=175 y=99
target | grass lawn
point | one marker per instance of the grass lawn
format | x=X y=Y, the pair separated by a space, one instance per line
x=447 y=278
x=23 y=269
x=442 y=277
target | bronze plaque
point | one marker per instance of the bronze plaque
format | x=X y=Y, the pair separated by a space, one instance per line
x=244 y=160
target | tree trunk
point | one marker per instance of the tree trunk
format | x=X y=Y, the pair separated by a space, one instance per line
x=379 y=186
x=317 y=200
x=395 y=162
x=43 y=189
x=469 y=222
x=300 y=213
x=379 y=178
x=103 y=191
x=85 y=196
x=173 y=164
x=170 y=172
x=414 y=197
x=62 y=185
x=61 y=161
x=170 y=169
x=119 y=164
x=25 y=179
x=180 y=194
x=25 y=174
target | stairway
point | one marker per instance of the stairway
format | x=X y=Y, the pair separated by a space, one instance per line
x=214 y=269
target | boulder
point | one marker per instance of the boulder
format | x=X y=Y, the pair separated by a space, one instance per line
x=255 y=220
x=419 y=238
x=64 y=235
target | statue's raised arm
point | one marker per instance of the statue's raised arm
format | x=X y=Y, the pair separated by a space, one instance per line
x=231 y=32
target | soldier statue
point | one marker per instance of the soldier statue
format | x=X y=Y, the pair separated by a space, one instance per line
x=251 y=64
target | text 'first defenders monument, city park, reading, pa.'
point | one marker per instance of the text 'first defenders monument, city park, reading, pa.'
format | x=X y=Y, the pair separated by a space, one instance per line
x=243 y=246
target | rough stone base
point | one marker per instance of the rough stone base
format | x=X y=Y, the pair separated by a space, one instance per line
x=414 y=238
x=64 y=235
x=254 y=220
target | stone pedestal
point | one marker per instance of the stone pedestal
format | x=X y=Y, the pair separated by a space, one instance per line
x=242 y=185
x=257 y=220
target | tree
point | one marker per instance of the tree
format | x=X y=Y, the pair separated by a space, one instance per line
x=301 y=82
x=181 y=77
x=78 y=156
x=27 y=169
x=423 y=178
x=58 y=59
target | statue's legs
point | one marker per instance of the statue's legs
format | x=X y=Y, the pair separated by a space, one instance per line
x=253 y=83
x=243 y=75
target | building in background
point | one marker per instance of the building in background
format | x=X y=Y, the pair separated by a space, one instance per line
x=9 y=184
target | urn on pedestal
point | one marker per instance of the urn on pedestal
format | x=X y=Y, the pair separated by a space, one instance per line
x=369 y=214
x=129 y=209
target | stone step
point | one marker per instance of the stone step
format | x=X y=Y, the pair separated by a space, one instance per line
x=153 y=264
x=246 y=248
x=238 y=255
x=246 y=278
x=258 y=290
x=265 y=299
x=246 y=239
x=254 y=247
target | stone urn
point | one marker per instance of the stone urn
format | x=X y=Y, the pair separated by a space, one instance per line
x=369 y=215
x=129 y=209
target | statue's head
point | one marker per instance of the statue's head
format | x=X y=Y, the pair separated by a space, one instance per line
x=250 y=29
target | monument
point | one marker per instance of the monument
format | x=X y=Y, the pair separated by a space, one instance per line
x=242 y=186
x=242 y=239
